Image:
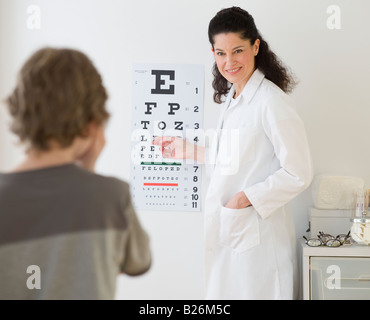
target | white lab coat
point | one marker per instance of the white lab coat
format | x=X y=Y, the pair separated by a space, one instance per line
x=263 y=151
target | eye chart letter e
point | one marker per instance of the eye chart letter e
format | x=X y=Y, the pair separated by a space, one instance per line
x=167 y=100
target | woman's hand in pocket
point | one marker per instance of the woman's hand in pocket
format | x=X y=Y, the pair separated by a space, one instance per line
x=238 y=201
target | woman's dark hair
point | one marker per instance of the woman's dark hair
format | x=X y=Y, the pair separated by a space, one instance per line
x=237 y=20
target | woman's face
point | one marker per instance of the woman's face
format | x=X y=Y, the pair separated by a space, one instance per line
x=235 y=57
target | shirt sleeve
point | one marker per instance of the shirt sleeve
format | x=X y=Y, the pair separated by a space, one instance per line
x=137 y=256
x=286 y=131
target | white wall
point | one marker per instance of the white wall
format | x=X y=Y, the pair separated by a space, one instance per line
x=332 y=97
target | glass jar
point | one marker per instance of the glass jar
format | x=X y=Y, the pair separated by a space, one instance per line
x=360 y=229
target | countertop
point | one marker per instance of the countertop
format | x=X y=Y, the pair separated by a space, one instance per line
x=344 y=250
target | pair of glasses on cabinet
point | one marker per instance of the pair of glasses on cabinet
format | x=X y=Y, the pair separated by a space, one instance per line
x=324 y=239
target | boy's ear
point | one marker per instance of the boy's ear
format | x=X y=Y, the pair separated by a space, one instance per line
x=89 y=129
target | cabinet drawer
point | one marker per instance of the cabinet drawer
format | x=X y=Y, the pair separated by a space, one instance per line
x=335 y=278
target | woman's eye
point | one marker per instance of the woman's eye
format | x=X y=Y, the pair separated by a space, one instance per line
x=220 y=53
x=238 y=51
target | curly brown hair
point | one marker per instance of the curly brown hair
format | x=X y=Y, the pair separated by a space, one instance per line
x=237 y=20
x=58 y=93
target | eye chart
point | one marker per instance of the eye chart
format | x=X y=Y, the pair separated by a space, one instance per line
x=167 y=101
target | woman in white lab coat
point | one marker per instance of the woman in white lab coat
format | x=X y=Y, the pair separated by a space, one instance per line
x=262 y=161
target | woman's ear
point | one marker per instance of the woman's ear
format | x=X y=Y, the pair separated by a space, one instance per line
x=256 y=46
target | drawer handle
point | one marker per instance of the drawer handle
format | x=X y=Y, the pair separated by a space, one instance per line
x=365 y=278
x=344 y=280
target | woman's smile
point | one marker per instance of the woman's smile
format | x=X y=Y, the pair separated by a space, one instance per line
x=233 y=71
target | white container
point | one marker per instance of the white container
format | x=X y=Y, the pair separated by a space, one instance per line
x=335 y=192
x=360 y=205
x=333 y=222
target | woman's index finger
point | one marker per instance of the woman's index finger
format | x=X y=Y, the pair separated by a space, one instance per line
x=158 y=140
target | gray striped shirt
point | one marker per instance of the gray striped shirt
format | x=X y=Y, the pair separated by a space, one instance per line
x=66 y=233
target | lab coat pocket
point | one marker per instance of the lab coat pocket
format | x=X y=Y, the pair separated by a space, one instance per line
x=239 y=228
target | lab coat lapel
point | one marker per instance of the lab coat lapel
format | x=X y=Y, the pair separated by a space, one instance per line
x=247 y=95
x=252 y=85
x=224 y=107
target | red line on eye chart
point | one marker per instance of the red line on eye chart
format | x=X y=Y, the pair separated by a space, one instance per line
x=162 y=184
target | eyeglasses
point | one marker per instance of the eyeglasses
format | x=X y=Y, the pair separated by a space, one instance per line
x=324 y=239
